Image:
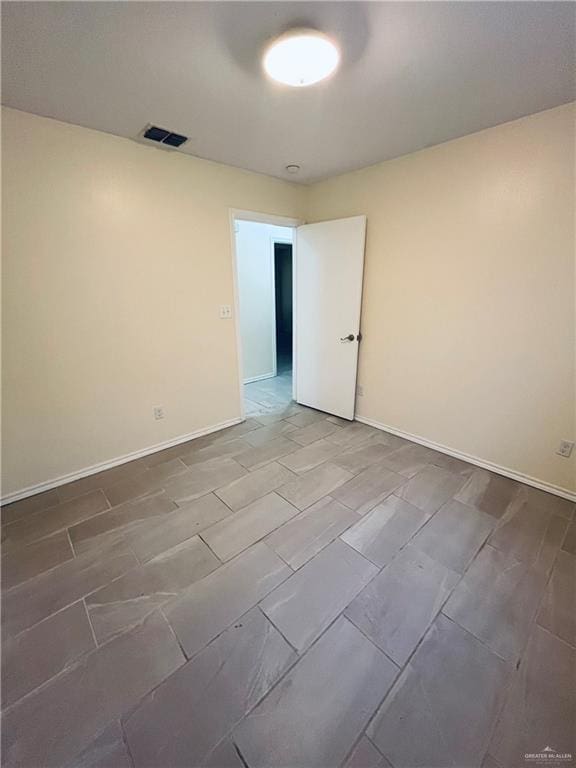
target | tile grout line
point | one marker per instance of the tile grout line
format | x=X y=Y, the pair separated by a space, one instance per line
x=74 y=553
x=174 y=634
x=222 y=562
x=87 y=612
x=22 y=545
x=45 y=683
x=7 y=591
x=259 y=608
x=36 y=624
x=33 y=515
x=162 y=608
x=364 y=735
x=79 y=599
x=256 y=541
x=549 y=577
x=298 y=659
x=125 y=742
x=189 y=659
x=557 y=637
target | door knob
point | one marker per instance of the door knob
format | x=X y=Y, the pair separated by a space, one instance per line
x=350 y=337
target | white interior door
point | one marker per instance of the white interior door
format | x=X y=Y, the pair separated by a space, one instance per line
x=329 y=268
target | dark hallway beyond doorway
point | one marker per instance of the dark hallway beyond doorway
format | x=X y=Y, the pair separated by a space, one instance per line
x=283 y=281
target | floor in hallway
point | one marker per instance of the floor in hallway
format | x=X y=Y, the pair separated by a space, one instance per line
x=268 y=394
x=295 y=591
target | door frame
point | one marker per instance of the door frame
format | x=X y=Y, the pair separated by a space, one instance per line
x=236 y=214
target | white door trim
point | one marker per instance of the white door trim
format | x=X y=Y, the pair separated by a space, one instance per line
x=264 y=218
x=294 y=318
x=237 y=214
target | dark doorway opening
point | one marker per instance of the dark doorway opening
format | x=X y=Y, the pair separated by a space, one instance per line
x=283 y=281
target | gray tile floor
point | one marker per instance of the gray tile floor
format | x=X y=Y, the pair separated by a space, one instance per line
x=293 y=592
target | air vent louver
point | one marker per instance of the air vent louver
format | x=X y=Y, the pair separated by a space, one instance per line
x=175 y=140
x=156 y=134
x=164 y=137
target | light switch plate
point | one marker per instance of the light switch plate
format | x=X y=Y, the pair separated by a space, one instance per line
x=225 y=311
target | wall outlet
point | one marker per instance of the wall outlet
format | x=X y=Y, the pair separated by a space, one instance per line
x=225 y=311
x=360 y=390
x=159 y=412
x=565 y=449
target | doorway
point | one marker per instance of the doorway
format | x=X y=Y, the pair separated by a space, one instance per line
x=327 y=268
x=264 y=265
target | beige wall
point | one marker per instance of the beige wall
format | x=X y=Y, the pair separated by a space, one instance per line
x=116 y=259
x=468 y=313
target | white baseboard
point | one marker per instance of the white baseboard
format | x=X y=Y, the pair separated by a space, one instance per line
x=259 y=378
x=32 y=490
x=540 y=484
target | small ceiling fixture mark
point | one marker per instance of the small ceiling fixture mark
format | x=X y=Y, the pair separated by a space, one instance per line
x=292 y=168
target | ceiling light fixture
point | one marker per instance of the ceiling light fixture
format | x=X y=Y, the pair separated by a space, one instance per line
x=301 y=57
x=292 y=168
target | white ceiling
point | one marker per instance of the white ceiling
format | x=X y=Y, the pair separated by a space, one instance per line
x=413 y=74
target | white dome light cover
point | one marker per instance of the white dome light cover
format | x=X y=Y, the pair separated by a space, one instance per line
x=301 y=57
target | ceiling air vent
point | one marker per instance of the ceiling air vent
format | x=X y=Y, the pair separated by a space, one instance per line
x=163 y=137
